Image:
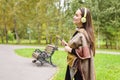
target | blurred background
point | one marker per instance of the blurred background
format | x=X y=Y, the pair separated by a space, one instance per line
x=37 y=22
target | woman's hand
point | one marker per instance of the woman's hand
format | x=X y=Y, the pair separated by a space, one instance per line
x=64 y=43
x=68 y=49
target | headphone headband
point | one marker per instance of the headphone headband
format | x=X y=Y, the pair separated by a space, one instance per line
x=85 y=12
x=83 y=19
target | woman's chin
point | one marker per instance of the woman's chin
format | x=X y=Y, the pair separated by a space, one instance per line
x=74 y=22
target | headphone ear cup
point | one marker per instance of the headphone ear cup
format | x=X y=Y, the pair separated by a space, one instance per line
x=83 y=19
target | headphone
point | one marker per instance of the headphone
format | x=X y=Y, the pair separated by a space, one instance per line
x=83 y=19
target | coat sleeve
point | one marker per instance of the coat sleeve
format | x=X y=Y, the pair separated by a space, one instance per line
x=83 y=51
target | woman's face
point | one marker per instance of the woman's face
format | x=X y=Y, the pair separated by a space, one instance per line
x=77 y=17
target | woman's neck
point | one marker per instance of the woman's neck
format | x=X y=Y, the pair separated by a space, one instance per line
x=79 y=25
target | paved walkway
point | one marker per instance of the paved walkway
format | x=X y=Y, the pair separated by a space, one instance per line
x=107 y=52
x=14 y=67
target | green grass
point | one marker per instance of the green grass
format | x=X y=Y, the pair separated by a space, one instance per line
x=107 y=66
x=27 y=52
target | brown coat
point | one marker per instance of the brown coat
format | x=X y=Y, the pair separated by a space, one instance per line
x=84 y=61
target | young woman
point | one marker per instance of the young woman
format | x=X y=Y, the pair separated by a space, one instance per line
x=81 y=48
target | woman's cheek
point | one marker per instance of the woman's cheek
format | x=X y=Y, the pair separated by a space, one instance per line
x=74 y=20
x=78 y=20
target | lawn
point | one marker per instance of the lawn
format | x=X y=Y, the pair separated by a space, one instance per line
x=107 y=66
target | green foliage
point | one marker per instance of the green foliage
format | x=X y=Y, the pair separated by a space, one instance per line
x=10 y=36
x=47 y=18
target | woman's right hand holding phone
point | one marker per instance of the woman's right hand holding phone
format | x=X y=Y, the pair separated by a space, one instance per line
x=64 y=43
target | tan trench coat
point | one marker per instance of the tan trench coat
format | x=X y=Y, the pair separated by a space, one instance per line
x=84 y=62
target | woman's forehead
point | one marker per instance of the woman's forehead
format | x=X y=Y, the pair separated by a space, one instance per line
x=78 y=11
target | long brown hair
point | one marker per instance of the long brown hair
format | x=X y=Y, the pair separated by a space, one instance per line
x=89 y=28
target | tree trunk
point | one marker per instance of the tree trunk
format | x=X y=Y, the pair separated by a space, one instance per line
x=98 y=38
x=2 y=39
x=16 y=32
x=50 y=39
x=29 y=38
x=111 y=44
x=56 y=41
x=47 y=33
x=106 y=43
x=6 y=33
x=47 y=41
x=117 y=44
x=39 y=35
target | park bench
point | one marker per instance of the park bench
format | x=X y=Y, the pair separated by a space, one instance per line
x=44 y=56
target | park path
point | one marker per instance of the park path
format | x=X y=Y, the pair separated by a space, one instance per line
x=14 y=67
x=108 y=52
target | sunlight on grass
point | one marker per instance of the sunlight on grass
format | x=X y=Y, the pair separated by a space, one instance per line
x=25 y=52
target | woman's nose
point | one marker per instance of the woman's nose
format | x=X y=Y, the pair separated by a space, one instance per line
x=73 y=17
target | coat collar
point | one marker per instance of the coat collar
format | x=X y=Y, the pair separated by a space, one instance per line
x=82 y=30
